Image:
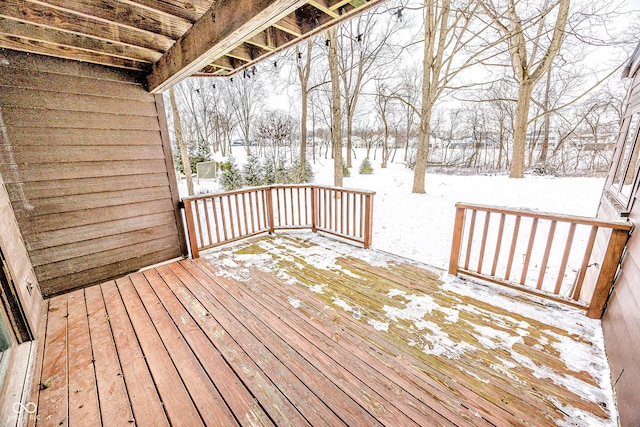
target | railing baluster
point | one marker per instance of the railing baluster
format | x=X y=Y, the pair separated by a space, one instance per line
x=361 y=216
x=341 y=210
x=487 y=218
x=193 y=243
x=527 y=258
x=253 y=215
x=293 y=216
x=496 y=254
x=565 y=258
x=547 y=251
x=206 y=217
x=456 y=243
x=585 y=263
x=470 y=240
x=199 y=222
x=232 y=219
x=215 y=217
x=514 y=242
x=222 y=216
x=244 y=210
x=348 y=212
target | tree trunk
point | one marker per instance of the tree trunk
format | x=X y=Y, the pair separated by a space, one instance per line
x=336 y=114
x=303 y=132
x=520 y=130
x=547 y=122
x=422 y=153
x=177 y=124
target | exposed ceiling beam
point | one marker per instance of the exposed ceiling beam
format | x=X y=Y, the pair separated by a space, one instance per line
x=50 y=17
x=44 y=48
x=65 y=39
x=290 y=25
x=225 y=25
x=324 y=6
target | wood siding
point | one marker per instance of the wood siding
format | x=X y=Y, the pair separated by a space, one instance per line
x=622 y=318
x=88 y=170
x=18 y=262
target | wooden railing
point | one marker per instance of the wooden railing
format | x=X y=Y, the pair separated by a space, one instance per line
x=216 y=219
x=544 y=254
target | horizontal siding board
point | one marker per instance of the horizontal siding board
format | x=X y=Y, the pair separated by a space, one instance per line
x=60 y=205
x=43 y=118
x=21 y=62
x=47 y=171
x=27 y=154
x=98 y=217
x=71 y=187
x=31 y=79
x=113 y=270
x=49 y=239
x=84 y=164
x=78 y=256
x=51 y=100
x=79 y=137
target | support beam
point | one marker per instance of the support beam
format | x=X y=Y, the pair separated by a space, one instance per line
x=221 y=28
x=290 y=25
x=324 y=6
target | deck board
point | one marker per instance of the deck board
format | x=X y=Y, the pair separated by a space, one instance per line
x=294 y=330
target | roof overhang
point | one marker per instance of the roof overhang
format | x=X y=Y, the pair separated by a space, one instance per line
x=167 y=40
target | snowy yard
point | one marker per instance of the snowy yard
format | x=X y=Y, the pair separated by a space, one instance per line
x=420 y=226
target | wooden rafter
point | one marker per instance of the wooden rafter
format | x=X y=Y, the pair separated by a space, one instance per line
x=169 y=39
x=220 y=29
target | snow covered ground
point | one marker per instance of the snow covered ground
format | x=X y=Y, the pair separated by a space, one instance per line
x=420 y=226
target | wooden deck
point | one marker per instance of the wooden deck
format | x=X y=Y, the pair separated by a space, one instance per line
x=300 y=330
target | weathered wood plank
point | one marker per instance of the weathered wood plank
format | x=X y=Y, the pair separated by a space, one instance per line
x=46 y=172
x=89 y=217
x=145 y=402
x=46 y=80
x=108 y=271
x=83 y=393
x=234 y=22
x=53 y=398
x=236 y=395
x=206 y=397
x=266 y=392
x=61 y=205
x=79 y=137
x=177 y=401
x=50 y=239
x=35 y=117
x=324 y=354
x=311 y=406
x=76 y=187
x=333 y=390
x=42 y=14
x=51 y=100
x=134 y=245
x=112 y=391
x=54 y=36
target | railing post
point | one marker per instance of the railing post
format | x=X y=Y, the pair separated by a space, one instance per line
x=314 y=208
x=269 y=192
x=191 y=229
x=457 y=241
x=608 y=270
x=368 y=221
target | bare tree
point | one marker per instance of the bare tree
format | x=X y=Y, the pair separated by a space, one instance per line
x=531 y=56
x=177 y=126
x=364 y=43
x=336 y=114
x=448 y=31
x=245 y=95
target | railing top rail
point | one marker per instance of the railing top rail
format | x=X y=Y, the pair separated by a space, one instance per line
x=613 y=224
x=275 y=186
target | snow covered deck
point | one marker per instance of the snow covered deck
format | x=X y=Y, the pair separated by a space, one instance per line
x=298 y=330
